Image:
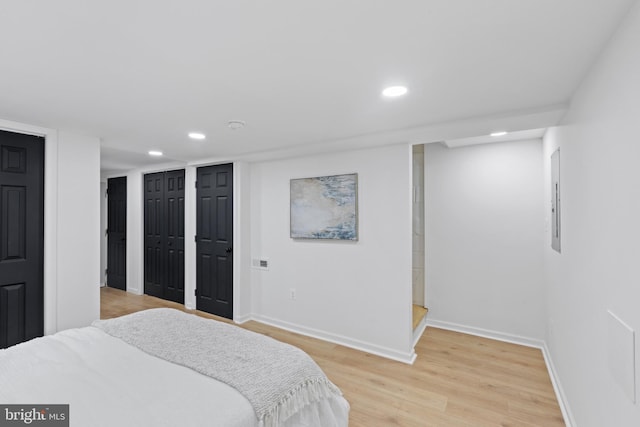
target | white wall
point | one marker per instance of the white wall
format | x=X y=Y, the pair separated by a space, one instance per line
x=599 y=267
x=78 y=244
x=242 y=300
x=135 y=233
x=71 y=226
x=484 y=236
x=358 y=294
x=355 y=293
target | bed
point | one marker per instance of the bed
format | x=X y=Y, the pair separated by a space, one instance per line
x=163 y=367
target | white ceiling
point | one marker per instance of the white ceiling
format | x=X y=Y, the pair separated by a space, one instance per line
x=523 y=135
x=303 y=75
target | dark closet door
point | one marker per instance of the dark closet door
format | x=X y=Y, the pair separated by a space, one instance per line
x=164 y=235
x=154 y=219
x=174 y=236
x=117 y=233
x=21 y=237
x=214 y=240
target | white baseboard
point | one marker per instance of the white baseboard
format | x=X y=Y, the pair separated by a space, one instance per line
x=242 y=319
x=557 y=386
x=487 y=333
x=417 y=332
x=517 y=339
x=387 y=353
x=135 y=291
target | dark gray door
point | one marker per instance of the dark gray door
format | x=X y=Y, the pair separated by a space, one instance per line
x=117 y=233
x=153 y=233
x=21 y=237
x=214 y=240
x=174 y=236
x=164 y=235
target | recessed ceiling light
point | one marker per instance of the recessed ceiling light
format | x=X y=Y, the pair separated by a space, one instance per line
x=393 y=91
x=155 y=153
x=235 y=124
x=197 y=135
x=501 y=133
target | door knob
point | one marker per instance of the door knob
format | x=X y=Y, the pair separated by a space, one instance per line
x=229 y=250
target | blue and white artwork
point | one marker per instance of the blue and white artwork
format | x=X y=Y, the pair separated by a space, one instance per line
x=325 y=207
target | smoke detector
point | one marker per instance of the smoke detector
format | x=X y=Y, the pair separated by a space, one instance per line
x=235 y=124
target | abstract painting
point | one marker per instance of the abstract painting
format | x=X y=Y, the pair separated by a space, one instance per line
x=325 y=207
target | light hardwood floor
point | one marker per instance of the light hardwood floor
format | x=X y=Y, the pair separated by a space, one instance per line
x=457 y=379
x=418 y=313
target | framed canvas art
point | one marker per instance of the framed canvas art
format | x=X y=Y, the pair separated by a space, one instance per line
x=325 y=207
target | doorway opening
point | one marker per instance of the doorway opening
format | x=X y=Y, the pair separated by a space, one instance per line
x=419 y=310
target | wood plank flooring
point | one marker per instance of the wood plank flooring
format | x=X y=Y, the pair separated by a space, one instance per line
x=418 y=313
x=457 y=379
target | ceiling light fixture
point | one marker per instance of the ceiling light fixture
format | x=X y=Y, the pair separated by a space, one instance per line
x=501 y=133
x=394 y=91
x=155 y=153
x=236 y=124
x=197 y=135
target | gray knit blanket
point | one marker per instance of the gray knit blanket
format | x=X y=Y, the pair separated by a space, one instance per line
x=277 y=379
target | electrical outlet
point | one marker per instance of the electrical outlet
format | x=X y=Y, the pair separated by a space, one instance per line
x=292 y=294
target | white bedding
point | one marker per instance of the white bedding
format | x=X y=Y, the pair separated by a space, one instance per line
x=107 y=382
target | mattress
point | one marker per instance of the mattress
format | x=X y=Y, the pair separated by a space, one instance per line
x=108 y=382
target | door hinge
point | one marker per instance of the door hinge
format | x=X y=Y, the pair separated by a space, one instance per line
x=196 y=183
x=195 y=238
x=195 y=292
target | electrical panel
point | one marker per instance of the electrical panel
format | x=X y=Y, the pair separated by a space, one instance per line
x=555 y=200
